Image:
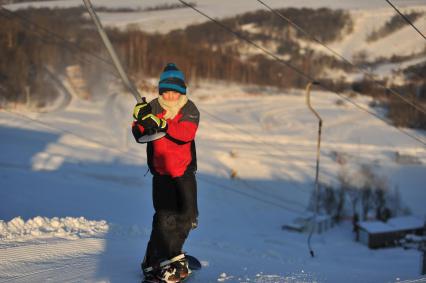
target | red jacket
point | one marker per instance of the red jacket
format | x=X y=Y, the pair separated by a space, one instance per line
x=175 y=153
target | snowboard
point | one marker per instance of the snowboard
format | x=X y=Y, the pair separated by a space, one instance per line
x=193 y=262
x=194 y=265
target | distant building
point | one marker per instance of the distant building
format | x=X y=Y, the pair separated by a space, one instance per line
x=406 y=159
x=305 y=223
x=377 y=234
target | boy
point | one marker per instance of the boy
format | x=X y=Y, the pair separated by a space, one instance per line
x=172 y=162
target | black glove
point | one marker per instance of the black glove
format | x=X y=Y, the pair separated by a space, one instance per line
x=152 y=124
x=141 y=110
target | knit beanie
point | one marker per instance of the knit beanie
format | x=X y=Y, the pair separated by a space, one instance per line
x=172 y=79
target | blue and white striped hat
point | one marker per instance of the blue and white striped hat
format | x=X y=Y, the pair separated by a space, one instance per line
x=172 y=79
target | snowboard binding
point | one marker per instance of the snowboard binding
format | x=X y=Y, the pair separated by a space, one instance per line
x=173 y=270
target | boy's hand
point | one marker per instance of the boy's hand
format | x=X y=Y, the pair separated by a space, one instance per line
x=141 y=110
x=152 y=124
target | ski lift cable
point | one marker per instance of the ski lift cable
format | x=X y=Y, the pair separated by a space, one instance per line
x=406 y=19
x=365 y=72
x=119 y=68
x=91 y=140
x=72 y=44
x=230 y=188
x=255 y=188
x=67 y=46
x=84 y=61
x=64 y=45
x=116 y=64
x=267 y=153
x=269 y=53
x=256 y=138
x=238 y=35
x=241 y=37
x=305 y=76
x=127 y=154
x=53 y=34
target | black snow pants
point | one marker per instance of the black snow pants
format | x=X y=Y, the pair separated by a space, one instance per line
x=175 y=204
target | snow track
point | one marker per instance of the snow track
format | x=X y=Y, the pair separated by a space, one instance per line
x=269 y=140
x=53 y=261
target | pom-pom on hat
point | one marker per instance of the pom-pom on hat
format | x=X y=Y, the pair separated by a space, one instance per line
x=172 y=79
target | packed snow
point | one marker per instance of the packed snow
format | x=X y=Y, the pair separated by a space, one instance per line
x=394 y=224
x=94 y=206
x=75 y=200
x=42 y=227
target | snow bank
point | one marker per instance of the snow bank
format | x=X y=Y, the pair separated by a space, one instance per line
x=42 y=227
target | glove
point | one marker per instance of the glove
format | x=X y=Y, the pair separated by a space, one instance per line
x=141 y=110
x=152 y=124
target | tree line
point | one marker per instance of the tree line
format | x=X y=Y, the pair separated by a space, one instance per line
x=395 y=23
x=362 y=195
x=202 y=51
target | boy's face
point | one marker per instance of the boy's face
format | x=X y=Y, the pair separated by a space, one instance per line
x=171 y=95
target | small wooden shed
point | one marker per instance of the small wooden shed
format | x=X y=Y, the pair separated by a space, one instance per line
x=377 y=234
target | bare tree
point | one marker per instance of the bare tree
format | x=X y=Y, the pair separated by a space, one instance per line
x=329 y=199
x=366 y=200
x=344 y=186
x=379 y=197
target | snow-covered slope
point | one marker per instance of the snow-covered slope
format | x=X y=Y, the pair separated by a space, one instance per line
x=77 y=181
x=403 y=42
x=75 y=205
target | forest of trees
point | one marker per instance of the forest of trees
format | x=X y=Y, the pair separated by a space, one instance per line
x=31 y=42
x=394 y=24
x=35 y=40
x=160 y=7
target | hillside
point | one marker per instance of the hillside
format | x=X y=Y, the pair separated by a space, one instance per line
x=94 y=170
x=75 y=193
x=367 y=67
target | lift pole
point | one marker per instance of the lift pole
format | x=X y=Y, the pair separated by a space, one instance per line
x=313 y=221
x=130 y=86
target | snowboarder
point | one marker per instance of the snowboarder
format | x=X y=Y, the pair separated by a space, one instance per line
x=172 y=162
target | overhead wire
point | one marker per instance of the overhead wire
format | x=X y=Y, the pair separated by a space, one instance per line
x=266 y=192
x=127 y=154
x=302 y=74
x=72 y=44
x=268 y=52
x=307 y=77
x=262 y=141
x=365 y=72
x=250 y=134
x=64 y=131
x=406 y=19
x=244 y=193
